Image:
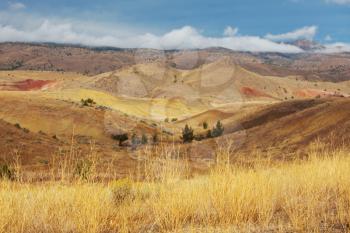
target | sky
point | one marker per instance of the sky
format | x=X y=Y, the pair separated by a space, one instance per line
x=245 y=25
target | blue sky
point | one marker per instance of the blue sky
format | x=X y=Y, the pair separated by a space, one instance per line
x=151 y=23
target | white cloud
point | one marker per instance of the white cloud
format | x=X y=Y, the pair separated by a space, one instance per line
x=16 y=6
x=339 y=2
x=301 y=33
x=183 y=38
x=13 y=27
x=230 y=32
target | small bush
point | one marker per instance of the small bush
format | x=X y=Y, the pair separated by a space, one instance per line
x=6 y=172
x=174 y=119
x=41 y=132
x=18 y=126
x=83 y=169
x=87 y=102
x=122 y=190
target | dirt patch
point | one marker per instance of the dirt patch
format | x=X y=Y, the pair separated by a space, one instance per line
x=251 y=92
x=28 y=85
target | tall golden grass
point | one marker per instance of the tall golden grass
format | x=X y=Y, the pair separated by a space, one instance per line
x=312 y=195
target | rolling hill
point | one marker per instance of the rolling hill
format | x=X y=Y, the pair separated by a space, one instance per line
x=222 y=81
x=261 y=109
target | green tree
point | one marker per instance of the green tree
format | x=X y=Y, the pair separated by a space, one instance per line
x=218 y=130
x=187 y=134
x=121 y=138
x=205 y=125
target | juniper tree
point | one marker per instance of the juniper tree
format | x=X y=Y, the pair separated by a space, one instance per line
x=205 y=125
x=187 y=134
x=218 y=130
x=121 y=138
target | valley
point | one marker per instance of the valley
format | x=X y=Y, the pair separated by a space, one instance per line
x=46 y=111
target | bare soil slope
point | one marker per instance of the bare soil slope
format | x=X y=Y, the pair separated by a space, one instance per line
x=285 y=128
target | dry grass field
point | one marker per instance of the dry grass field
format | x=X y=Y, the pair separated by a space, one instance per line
x=309 y=195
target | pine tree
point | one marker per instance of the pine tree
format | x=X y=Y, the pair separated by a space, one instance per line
x=187 y=134
x=218 y=130
x=205 y=125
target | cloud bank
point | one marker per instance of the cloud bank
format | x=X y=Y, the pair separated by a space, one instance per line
x=13 y=28
x=186 y=37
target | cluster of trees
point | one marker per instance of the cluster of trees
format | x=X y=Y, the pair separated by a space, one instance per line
x=135 y=139
x=188 y=134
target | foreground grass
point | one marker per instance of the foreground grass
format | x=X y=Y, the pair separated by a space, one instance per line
x=304 y=196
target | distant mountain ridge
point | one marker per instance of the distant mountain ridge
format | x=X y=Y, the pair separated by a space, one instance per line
x=96 y=60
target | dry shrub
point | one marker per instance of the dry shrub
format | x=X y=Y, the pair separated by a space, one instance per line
x=122 y=190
